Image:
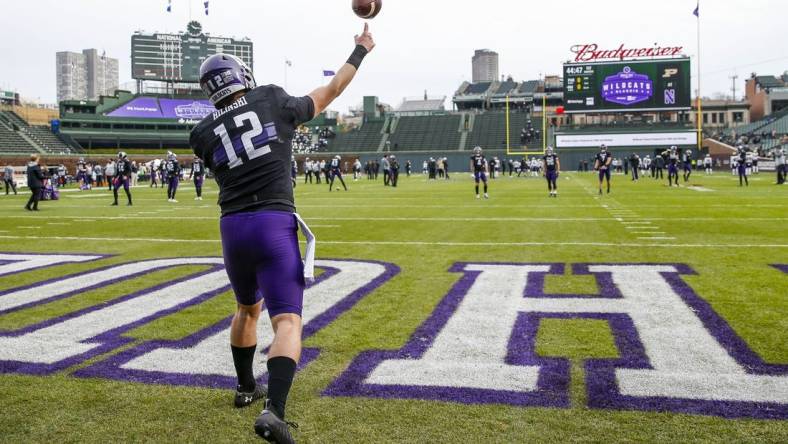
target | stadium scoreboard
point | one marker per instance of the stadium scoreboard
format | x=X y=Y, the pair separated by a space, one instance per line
x=637 y=85
x=177 y=57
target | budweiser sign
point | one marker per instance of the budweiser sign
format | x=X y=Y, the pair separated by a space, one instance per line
x=591 y=52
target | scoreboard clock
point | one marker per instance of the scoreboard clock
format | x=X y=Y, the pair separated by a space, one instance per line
x=177 y=57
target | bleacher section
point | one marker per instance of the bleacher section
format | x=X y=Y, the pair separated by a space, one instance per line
x=489 y=130
x=11 y=142
x=43 y=138
x=367 y=138
x=426 y=133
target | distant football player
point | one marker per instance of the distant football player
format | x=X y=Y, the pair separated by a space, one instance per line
x=293 y=170
x=247 y=144
x=686 y=161
x=356 y=170
x=707 y=164
x=673 y=165
x=336 y=173
x=82 y=174
x=122 y=177
x=602 y=163
x=552 y=168
x=198 y=176
x=394 y=169
x=173 y=171
x=154 y=173
x=742 y=161
x=479 y=167
x=780 y=161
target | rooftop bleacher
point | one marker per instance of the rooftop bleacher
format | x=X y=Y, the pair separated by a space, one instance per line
x=505 y=88
x=478 y=88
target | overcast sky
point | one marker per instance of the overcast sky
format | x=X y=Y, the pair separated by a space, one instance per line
x=422 y=44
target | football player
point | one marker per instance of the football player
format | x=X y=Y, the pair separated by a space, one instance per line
x=673 y=166
x=247 y=144
x=707 y=164
x=602 y=164
x=552 y=167
x=336 y=172
x=356 y=170
x=686 y=161
x=742 y=160
x=293 y=170
x=173 y=171
x=198 y=175
x=779 y=161
x=122 y=177
x=480 y=168
x=82 y=174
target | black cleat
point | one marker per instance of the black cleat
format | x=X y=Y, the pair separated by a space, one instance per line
x=245 y=399
x=272 y=429
x=114 y=205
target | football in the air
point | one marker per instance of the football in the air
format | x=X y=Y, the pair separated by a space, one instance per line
x=367 y=9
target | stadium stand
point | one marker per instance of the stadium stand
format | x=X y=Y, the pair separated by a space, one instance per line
x=426 y=133
x=367 y=138
x=11 y=142
x=39 y=138
x=489 y=130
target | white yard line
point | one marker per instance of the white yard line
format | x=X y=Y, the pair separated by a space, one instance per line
x=416 y=243
x=657 y=238
x=701 y=189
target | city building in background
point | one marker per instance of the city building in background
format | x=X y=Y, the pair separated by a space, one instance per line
x=766 y=94
x=86 y=75
x=485 y=66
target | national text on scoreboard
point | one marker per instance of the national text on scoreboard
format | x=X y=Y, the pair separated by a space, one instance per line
x=633 y=85
x=177 y=57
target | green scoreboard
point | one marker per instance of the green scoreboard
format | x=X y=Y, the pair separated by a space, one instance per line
x=177 y=57
x=638 y=85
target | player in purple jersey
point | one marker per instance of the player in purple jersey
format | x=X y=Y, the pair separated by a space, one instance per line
x=741 y=165
x=122 y=177
x=673 y=166
x=198 y=175
x=247 y=144
x=336 y=173
x=602 y=163
x=552 y=168
x=480 y=169
x=173 y=170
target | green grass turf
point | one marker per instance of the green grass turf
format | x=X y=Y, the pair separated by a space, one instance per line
x=423 y=228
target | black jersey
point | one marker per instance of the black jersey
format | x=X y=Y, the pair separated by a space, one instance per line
x=248 y=147
x=550 y=162
x=602 y=157
x=173 y=168
x=198 y=169
x=335 y=164
x=123 y=168
x=743 y=158
x=478 y=161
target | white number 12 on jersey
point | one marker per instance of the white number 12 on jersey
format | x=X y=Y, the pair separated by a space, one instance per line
x=246 y=138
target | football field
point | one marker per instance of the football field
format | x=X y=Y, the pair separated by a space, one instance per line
x=651 y=314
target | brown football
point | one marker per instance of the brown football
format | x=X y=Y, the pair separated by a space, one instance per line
x=367 y=9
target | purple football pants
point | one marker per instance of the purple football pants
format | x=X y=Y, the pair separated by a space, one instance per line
x=263 y=260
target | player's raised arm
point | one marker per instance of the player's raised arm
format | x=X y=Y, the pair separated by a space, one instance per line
x=323 y=96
